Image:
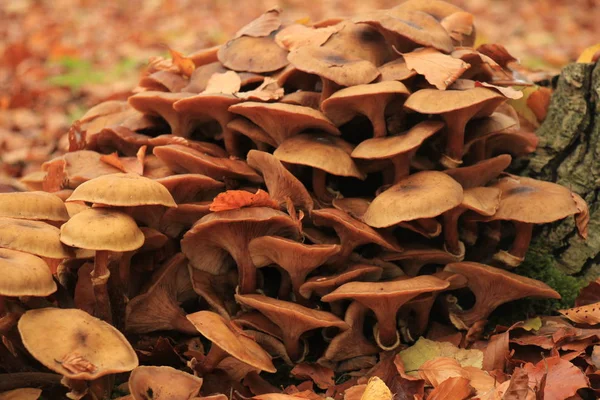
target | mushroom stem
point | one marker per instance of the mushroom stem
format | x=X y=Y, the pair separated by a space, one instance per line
x=285 y=286
x=386 y=334
x=328 y=88
x=213 y=358
x=401 y=166
x=319 y=185
x=451 y=239
x=293 y=346
x=522 y=239
x=231 y=142
x=469 y=232
x=455 y=139
x=247 y=273
x=125 y=272
x=478 y=151
x=100 y=275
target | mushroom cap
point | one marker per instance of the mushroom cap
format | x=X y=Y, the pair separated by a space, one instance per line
x=532 y=201
x=185 y=187
x=372 y=291
x=253 y=54
x=74 y=344
x=326 y=284
x=396 y=70
x=102 y=229
x=123 y=190
x=334 y=66
x=151 y=101
x=24 y=274
x=33 y=205
x=318 y=150
x=425 y=194
x=33 y=237
x=481 y=173
x=21 y=394
x=284 y=312
x=390 y=146
x=341 y=106
x=220 y=332
x=482 y=200
x=432 y=101
x=407 y=30
x=165 y=383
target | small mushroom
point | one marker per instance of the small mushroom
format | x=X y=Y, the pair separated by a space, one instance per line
x=186 y=188
x=292 y=318
x=385 y=299
x=415 y=255
x=370 y=100
x=322 y=285
x=456 y=107
x=160 y=104
x=228 y=341
x=33 y=206
x=163 y=383
x=493 y=287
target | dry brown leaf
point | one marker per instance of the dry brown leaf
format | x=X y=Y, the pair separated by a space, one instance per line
x=321 y=376
x=588 y=314
x=498 y=53
x=507 y=91
x=539 y=101
x=518 y=387
x=294 y=36
x=235 y=199
x=595 y=357
x=75 y=363
x=267 y=91
x=456 y=388
x=56 y=176
x=496 y=352
x=226 y=83
x=439 y=369
x=483 y=383
x=458 y=25
x=261 y=26
x=562 y=378
x=185 y=65
x=439 y=69
x=589 y=294
x=76 y=137
x=355 y=392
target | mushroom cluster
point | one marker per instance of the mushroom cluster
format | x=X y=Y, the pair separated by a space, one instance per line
x=304 y=192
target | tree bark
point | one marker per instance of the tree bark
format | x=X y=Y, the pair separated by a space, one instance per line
x=569 y=154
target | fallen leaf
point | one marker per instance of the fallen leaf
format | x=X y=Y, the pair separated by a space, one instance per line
x=595 y=358
x=563 y=379
x=539 y=101
x=532 y=324
x=589 y=294
x=321 y=376
x=498 y=53
x=439 y=69
x=496 y=352
x=518 y=386
x=226 y=83
x=424 y=350
x=456 y=388
x=75 y=363
x=376 y=390
x=588 y=314
x=458 y=25
x=113 y=160
x=261 y=26
x=355 y=392
x=507 y=91
x=436 y=371
x=267 y=91
x=522 y=108
x=483 y=383
x=294 y=36
x=76 y=137
x=235 y=199
x=590 y=54
x=56 y=176
x=185 y=65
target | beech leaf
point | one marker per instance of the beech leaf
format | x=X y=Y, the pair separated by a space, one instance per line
x=376 y=390
x=294 y=36
x=563 y=379
x=439 y=369
x=588 y=314
x=439 y=69
x=226 y=83
x=496 y=352
x=261 y=26
x=235 y=199
x=321 y=376
x=518 y=387
x=456 y=388
x=424 y=350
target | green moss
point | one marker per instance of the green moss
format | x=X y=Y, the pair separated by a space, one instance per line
x=541 y=266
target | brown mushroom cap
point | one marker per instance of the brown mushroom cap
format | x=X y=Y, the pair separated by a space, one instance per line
x=325 y=152
x=123 y=190
x=24 y=274
x=416 y=255
x=33 y=205
x=247 y=128
x=220 y=332
x=160 y=104
x=102 y=229
x=481 y=173
x=253 y=54
x=292 y=318
x=188 y=187
x=282 y=121
x=321 y=285
x=75 y=344
x=21 y=394
x=493 y=287
x=163 y=383
x=396 y=70
x=407 y=30
x=425 y=194
x=33 y=237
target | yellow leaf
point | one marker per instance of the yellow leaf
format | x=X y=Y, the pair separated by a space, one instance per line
x=376 y=390
x=588 y=54
x=532 y=324
x=185 y=65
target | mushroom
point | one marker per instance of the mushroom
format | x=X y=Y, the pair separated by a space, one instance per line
x=242 y=126
x=74 y=344
x=185 y=188
x=228 y=341
x=160 y=104
x=21 y=394
x=399 y=149
x=104 y=231
x=293 y=319
x=526 y=202
x=322 y=285
x=415 y=255
x=385 y=299
x=216 y=290
x=493 y=287
x=396 y=70
x=370 y=100
x=325 y=154
x=456 y=107
x=425 y=194
x=296 y=259
x=33 y=206
x=219 y=238
x=163 y=383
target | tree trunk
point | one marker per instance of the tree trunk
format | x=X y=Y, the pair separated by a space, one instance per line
x=569 y=154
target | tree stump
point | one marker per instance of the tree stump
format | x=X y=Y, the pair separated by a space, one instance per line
x=569 y=154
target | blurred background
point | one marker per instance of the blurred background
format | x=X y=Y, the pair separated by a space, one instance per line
x=59 y=57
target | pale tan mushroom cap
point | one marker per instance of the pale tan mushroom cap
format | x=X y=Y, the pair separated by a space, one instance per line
x=74 y=344
x=221 y=334
x=328 y=153
x=21 y=394
x=33 y=237
x=102 y=229
x=24 y=274
x=482 y=200
x=432 y=101
x=123 y=190
x=165 y=383
x=33 y=205
x=425 y=194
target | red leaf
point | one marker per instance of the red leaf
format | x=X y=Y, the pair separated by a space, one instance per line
x=236 y=199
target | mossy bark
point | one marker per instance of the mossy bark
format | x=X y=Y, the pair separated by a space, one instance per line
x=569 y=154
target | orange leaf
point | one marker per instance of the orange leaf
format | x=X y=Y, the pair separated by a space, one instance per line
x=186 y=65
x=496 y=352
x=456 y=388
x=261 y=26
x=437 y=370
x=321 y=376
x=235 y=199
x=227 y=83
x=55 y=175
x=441 y=70
x=113 y=160
x=562 y=378
x=588 y=314
x=76 y=137
x=539 y=101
